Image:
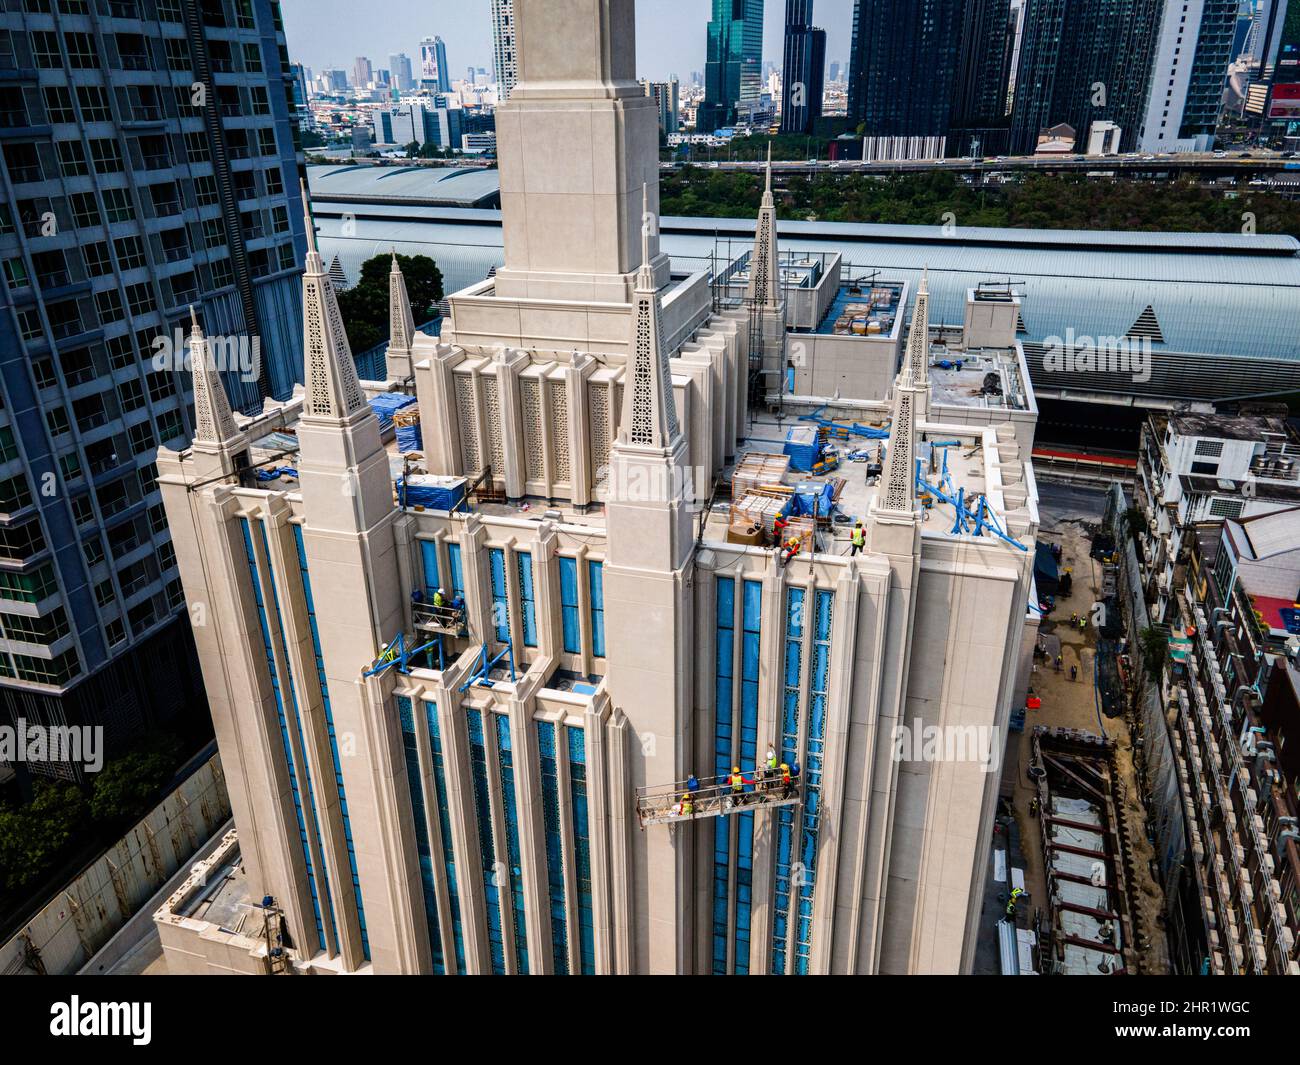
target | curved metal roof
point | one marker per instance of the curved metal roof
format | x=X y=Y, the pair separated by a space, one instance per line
x=426 y=185
x=1214 y=294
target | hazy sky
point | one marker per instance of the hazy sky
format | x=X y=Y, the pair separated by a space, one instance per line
x=669 y=33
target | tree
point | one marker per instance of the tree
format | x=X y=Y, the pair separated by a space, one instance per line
x=33 y=837
x=1154 y=648
x=365 y=306
x=128 y=786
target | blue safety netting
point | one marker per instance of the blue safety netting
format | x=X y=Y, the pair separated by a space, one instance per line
x=447 y=496
x=409 y=438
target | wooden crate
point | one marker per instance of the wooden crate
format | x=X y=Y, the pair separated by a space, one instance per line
x=757 y=470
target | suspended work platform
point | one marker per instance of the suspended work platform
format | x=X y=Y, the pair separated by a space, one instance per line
x=713 y=797
x=440 y=620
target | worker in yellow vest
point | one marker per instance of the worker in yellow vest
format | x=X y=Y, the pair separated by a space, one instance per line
x=859 y=538
x=737 y=781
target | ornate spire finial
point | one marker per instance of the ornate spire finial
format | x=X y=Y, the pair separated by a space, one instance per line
x=769 y=168
x=214 y=424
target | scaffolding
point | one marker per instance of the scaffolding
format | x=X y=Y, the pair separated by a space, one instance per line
x=714 y=797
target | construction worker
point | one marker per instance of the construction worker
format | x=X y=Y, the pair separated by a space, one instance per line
x=1058 y=663
x=439 y=599
x=771 y=759
x=779 y=527
x=787 y=781
x=1074 y=672
x=737 y=781
x=790 y=550
x=692 y=785
x=687 y=807
x=859 y=539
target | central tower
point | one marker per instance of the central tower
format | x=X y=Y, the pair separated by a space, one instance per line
x=578 y=140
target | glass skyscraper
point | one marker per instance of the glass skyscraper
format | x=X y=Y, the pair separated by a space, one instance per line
x=734 y=65
x=803 y=78
x=1083 y=61
x=148 y=166
x=902 y=66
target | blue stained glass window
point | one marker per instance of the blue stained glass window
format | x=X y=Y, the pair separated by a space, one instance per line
x=419 y=813
x=444 y=824
x=487 y=848
x=510 y=812
x=333 y=738
x=582 y=849
x=553 y=827
x=596 y=577
x=569 y=605
x=527 y=603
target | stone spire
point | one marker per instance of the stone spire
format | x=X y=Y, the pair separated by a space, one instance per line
x=918 y=344
x=333 y=390
x=401 y=325
x=764 y=287
x=649 y=411
x=897 y=495
x=214 y=424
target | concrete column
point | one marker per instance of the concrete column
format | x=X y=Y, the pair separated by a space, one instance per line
x=580 y=473
x=506 y=370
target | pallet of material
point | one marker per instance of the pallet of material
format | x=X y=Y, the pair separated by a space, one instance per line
x=756 y=470
x=758 y=509
x=804 y=529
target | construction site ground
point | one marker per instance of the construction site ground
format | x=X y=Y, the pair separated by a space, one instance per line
x=1070 y=517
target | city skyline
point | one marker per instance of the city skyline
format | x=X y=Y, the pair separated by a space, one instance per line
x=322 y=35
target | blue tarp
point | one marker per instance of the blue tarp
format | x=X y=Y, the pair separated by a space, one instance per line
x=446 y=494
x=409 y=438
x=813 y=499
x=1046 y=571
x=388 y=404
x=801 y=446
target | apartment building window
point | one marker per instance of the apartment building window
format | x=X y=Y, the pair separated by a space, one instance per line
x=15 y=272
x=70 y=466
x=109 y=306
x=29 y=324
x=43 y=373
x=104 y=593
x=139 y=298
x=130 y=395
x=142 y=437
x=18 y=543
x=72 y=159
x=78 y=366
x=160 y=386
x=133 y=52
x=82 y=54
x=56 y=420
x=44 y=629
x=196 y=147
x=94 y=104
x=58 y=670
x=45 y=50
x=8 y=448
x=274 y=179
x=51 y=269
x=85 y=211
x=115 y=632
x=58 y=104
x=120 y=352
x=596 y=592
x=117 y=205
x=214 y=233
x=93 y=550
x=83 y=512
x=98 y=263
x=178 y=54
x=206 y=193
x=24 y=163
x=130 y=253
x=169 y=426
x=28 y=587
x=252 y=57
x=266 y=141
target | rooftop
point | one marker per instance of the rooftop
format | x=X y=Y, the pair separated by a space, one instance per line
x=1246 y=426
x=431 y=186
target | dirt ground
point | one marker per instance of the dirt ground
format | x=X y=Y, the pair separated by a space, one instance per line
x=1071 y=704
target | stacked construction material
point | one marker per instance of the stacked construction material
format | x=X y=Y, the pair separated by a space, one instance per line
x=428 y=491
x=757 y=471
x=386 y=405
x=409 y=436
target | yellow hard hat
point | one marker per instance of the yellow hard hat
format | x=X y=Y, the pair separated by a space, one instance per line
x=735 y=769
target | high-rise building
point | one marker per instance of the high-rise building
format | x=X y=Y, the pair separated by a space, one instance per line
x=667 y=97
x=804 y=71
x=435 y=75
x=336 y=80
x=903 y=65
x=1185 y=95
x=363 y=73
x=505 y=59
x=459 y=737
x=148 y=168
x=734 y=62
x=979 y=124
x=399 y=66
x=1084 y=61
x=1275 y=94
